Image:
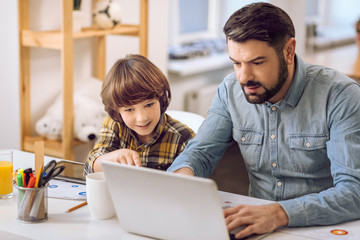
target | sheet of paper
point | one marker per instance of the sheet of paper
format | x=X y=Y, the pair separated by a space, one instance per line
x=344 y=231
x=232 y=200
x=66 y=190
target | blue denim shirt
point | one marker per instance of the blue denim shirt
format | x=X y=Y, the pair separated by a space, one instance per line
x=303 y=152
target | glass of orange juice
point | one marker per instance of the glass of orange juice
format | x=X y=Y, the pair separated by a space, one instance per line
x=6 y=169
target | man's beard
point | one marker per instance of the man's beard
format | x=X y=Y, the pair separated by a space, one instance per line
x=269 y=93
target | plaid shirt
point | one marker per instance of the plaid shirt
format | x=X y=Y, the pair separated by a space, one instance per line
x=168 y=142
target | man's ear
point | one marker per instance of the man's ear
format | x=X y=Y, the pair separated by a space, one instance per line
x=289 y=51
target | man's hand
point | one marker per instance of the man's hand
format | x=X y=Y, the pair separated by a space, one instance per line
x=257 y=219
x=185 y=171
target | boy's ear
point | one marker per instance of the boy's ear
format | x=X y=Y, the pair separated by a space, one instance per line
x=164 y=103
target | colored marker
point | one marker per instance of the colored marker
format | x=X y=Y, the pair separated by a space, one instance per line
x=31 y=182
x=27 y=176
x=21 y=171
x=19 y=178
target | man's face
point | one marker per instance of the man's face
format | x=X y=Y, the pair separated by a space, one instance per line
x=259 y=70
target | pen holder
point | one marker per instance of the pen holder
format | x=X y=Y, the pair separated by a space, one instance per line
x=32 y=204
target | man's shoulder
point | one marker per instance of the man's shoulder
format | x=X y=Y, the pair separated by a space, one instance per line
x=328 y=77
x=328 y=84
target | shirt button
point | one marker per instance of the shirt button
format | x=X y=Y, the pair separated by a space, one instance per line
x=308 y=144
x=273 y=137
x=274 y=165
x=273 y=108
x=243 y=139
x=279 y=183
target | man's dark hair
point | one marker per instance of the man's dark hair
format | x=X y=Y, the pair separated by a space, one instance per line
x=260 y=21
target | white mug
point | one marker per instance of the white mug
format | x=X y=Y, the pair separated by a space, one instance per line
x=98 y=197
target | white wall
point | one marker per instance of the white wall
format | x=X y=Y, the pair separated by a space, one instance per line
x=9 y=98
x=340 y=13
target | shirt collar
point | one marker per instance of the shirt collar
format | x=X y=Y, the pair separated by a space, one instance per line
x=159 y=128
x=298 y=84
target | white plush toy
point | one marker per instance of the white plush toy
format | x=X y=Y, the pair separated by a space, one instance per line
x=49 y=127
x=107 y=14
x=88 y=113
x=88 y=116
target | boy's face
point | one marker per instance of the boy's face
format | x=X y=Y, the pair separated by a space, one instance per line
x=142 y=118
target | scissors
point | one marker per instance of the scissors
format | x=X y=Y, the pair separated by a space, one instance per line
x=50 y=171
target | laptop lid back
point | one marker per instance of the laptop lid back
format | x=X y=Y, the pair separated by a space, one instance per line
x=165 y=205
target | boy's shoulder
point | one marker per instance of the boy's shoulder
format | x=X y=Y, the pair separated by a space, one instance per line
x=177 y=127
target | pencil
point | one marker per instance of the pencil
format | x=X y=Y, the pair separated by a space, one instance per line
x=38 y=177
x=76 y=207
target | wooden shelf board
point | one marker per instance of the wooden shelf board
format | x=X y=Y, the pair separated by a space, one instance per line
x=52 y=147
x=123 y=29
x=46 y=39
x=53 y=40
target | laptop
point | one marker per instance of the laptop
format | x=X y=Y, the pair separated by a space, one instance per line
x=165 y=205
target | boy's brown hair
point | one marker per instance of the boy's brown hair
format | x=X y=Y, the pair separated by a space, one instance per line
x=131 y=80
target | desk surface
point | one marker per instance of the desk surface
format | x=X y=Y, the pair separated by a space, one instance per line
x=344 y=59
x=79 y=225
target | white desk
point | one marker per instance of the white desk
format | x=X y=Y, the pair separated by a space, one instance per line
x=79 y=225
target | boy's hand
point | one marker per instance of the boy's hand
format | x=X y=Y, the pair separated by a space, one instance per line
x=124 y=156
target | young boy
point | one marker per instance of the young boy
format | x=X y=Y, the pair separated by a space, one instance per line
x=137 y=131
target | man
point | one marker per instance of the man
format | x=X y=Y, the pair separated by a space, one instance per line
x=297 y=126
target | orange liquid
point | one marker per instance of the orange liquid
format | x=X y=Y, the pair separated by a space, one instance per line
x=6 y=179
